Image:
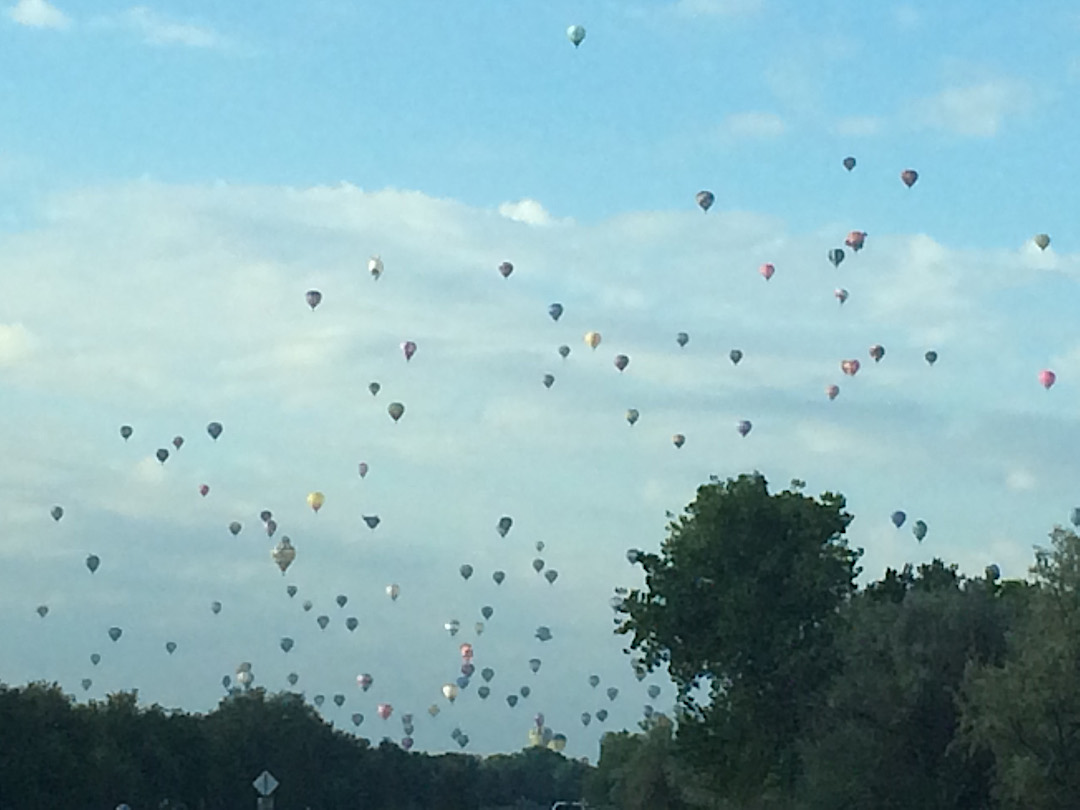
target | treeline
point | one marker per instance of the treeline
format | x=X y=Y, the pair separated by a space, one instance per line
x=925 y=689
x=56 y=754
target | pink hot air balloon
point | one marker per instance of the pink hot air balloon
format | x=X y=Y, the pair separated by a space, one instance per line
x=1047 y=378
x=621 y=361
x=384 y=710
x=466 y=650
x=832 y=391
x=767 y=271
x=203 y=490
x=855 y=240
x=409 y=348
x=850 y=367
x=363 y=468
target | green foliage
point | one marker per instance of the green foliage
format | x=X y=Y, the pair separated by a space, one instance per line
x=57 y=754
x=746 y=591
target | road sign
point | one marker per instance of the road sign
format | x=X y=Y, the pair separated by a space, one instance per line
x=265 y=783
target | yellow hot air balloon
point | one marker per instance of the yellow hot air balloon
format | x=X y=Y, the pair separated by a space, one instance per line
x=592 y=339
x=315 y=500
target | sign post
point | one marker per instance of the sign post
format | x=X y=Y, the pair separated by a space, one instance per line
x=265 y=784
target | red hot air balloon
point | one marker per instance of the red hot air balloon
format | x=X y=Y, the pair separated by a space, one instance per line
x=767 y=271
x=1047 y=378
x=855 y=240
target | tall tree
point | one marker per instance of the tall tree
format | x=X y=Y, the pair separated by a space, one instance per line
x=746 y=592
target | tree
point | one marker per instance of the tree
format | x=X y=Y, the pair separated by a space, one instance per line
x=746 y=593
x=1026 y=709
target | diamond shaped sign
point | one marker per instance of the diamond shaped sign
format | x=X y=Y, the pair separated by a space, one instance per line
x=265 y=783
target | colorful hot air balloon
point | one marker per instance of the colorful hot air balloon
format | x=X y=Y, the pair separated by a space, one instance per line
x=855 y=240
x=576 y=34
x=849 y=163
x=314 y=297
x=850 y=367
x=767 y=270
x=1047 y=378
x=315 y=500
x=364 y=681
x=705 y=199
x=384 y=710
x=678 y=440
x=841 y=295
x=909 y=176
x=831 y=391
x=877 y=351
x=592 y=339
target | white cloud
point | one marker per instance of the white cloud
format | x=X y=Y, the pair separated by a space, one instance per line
x=527 y=211
x=753 y=124
x=979 y=108
x=38 y=14
x=166 y=307
x=158 y=30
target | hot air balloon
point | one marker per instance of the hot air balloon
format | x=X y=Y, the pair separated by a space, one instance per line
x=235 y=527
x=178 y=442
x=125 y=432
x=498 y=576
x=339 y=700
x=555 y=311
x=836 y=255
x=594 y=681
x=538 y=565
x=214 y=429
x=682 y=338
x=114 y=633
x=632 y=415
x=486 y=611
x=466 y=571
x=307 y=605
x=57 y=512
x=372 y=521
x=831 y=391
x=505 y=522
x=621 y=361
x=322 y=621
x=286 y=644
x=534 y=664
x=292 y=678
x=735 y=355
x=204 y=490
x=654 y=691
x=393 y=591
x=525 y=691
x=993 y=572
x=1047 y=378
x=162 y=455
x=512 y=700
x=919 y=530
x=314 y=297
x=95 y=659
x=549 y=380
x=931 y=357
x=291 y=591
x=408 y=348
x=576 y=34
x=374 y=388
x=1042 y=240
x=586 y=718
x=357 y=719
x=877 y=351
x=898 y=518
x=318 y=700
x=342 y=600
x=384 y=710
x=849 y=163
x=744 y=427
x=396 y=410
x=43 y=611
x=271 y=527
x=612 y=693
x=767 y=271
x=315 y=500
x=909 y=176
x=1075 y=516
x=506 y=269
x=452 y=627
x=678 y=440
x=375 y=267
x=364 y=681
x=352 y=623
x=592 y=339
x=564 y=351
x=705 y=199
x=86 y=684
x=850 y=367
x=841 y=295
x=363 y=468
x=265 y=515
x=92 y=562
x=450 y=691
x=855 y=240
x=551 y=575
x=215 y=607
x=543 y=633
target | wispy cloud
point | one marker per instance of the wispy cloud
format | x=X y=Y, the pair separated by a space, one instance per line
x=977 y=108
x=38 y=14
x=755 y=124
x=156 y=29
x=718 y=8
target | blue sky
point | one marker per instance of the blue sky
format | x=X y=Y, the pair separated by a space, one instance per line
x=174 y=177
